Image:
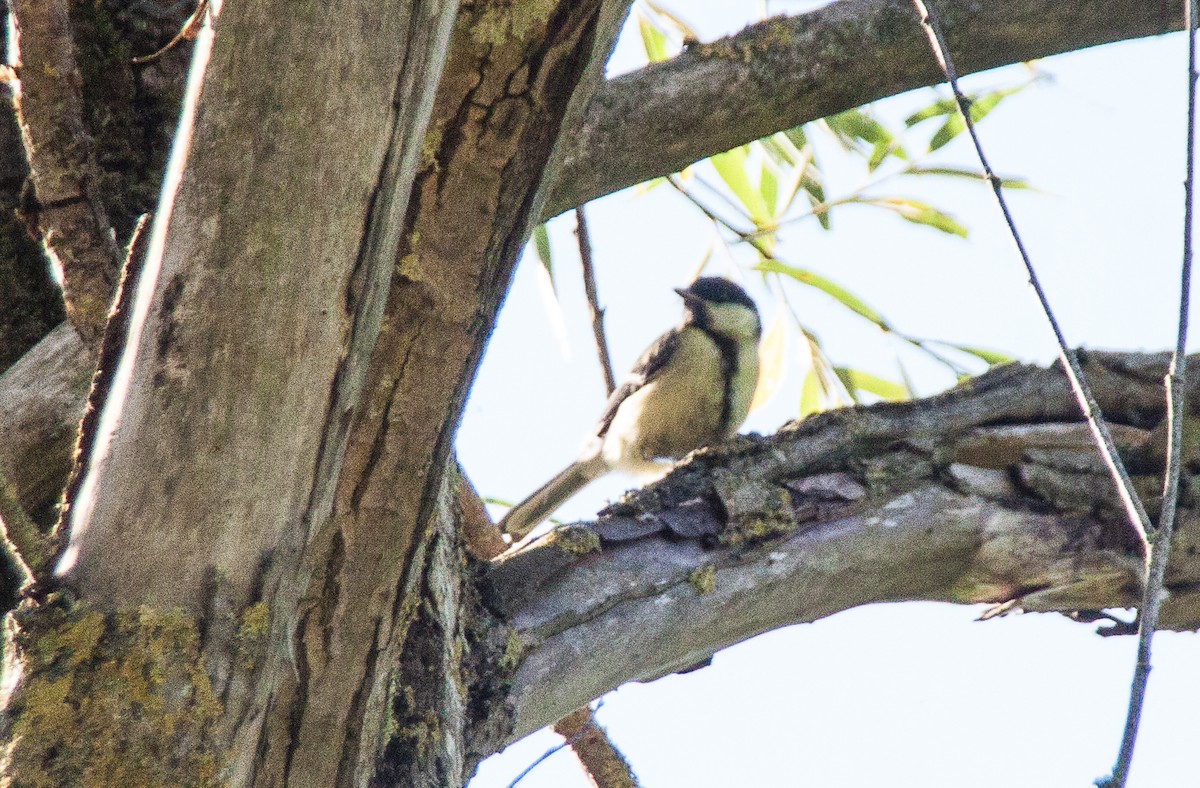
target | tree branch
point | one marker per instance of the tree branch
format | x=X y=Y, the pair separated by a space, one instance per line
x=70 y=214
x=787 y=71
x=988 y=493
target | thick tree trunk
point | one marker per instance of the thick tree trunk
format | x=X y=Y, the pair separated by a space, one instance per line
x=267 y=586
x=301 y=614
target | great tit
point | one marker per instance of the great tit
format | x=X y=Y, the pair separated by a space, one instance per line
x=690 y=388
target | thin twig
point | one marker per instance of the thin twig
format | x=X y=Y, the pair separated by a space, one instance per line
x=566 y=743
x=1139 y=520
x=595 y=750
x=754 y=238
x=589 y=286
x=1175 y=382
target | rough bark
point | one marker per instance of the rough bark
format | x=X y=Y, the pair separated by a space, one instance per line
x=277 y=500
x=791 y=70
x=509 y=85
x=68 y=211
x=30 y=301
x=199 y=511
x=331 y=568
x=42 y=398
x=599 y=167
x=989 y=493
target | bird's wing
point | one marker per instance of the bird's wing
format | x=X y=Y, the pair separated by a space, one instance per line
x=648 y=366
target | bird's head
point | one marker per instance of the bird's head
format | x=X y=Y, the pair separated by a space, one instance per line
x=720 y=306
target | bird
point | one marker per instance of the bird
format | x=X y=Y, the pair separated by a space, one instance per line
x=692 y=387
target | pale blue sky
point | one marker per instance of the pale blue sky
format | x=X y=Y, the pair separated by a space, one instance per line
x=899 y=695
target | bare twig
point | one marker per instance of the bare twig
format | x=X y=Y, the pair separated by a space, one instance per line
x=589 y=286
x=70 y=215
x=603 y=761
x=187 y=32
x=1136 y=511
x=1175 y=382
x=755 y=239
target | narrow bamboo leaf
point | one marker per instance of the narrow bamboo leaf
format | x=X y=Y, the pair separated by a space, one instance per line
x=811 y=397
x=858 y=125
x=771 y=367
x=541 y=242
x=654 y=42
x=966 y=173
x=553 y=307
x=843 y=296
x=920 y=213
x=936 y=109
x=731 y=166
x=990 y=356
x=843 y=374
x=686 y=30
x=781 y=153
x=768 y=189
x=814 y=189
x=872 y=384
x=953 y=126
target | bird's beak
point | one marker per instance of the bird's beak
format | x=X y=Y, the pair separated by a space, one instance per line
x=688 y=296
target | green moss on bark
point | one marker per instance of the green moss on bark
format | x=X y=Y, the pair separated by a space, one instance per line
x=109 y=699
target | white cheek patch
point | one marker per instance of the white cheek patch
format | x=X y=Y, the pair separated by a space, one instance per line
x=732 y=320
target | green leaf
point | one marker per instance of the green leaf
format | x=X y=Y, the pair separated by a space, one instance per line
x=781 y=150
x=919 y=213
x=837 y=292
x=967 y=173
x=936 y=109
x=653 y=39
x=797 y=136
x=541 y=242
x=731 y=166
x=814 y=189
x=856 y=124
x=768 y=189
x=843 y=374
x=872 y=384
x=990 y=356
x=771 y=368
x=811 y=399
x=953 y=126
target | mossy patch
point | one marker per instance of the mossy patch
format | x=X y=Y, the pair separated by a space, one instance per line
x=703 y=579
x=252 y=634
x=110 y=699
x=576 y=539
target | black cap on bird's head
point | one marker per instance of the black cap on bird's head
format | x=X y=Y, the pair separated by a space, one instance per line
x=707 y=301
x=715 y=290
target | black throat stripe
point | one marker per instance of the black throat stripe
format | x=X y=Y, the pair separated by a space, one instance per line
x=729 y=368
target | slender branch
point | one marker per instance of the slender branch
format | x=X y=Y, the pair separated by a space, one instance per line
x=1136 y=511
x=786 y=71
x=595 y=750
x=69 y=212
x=1175 y=380
x=589 y=286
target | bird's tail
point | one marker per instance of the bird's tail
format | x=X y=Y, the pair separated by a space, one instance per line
x=521 y=519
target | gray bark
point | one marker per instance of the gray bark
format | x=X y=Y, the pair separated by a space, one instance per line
x=662 y=100
x=791 y=70
x=991 y=493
